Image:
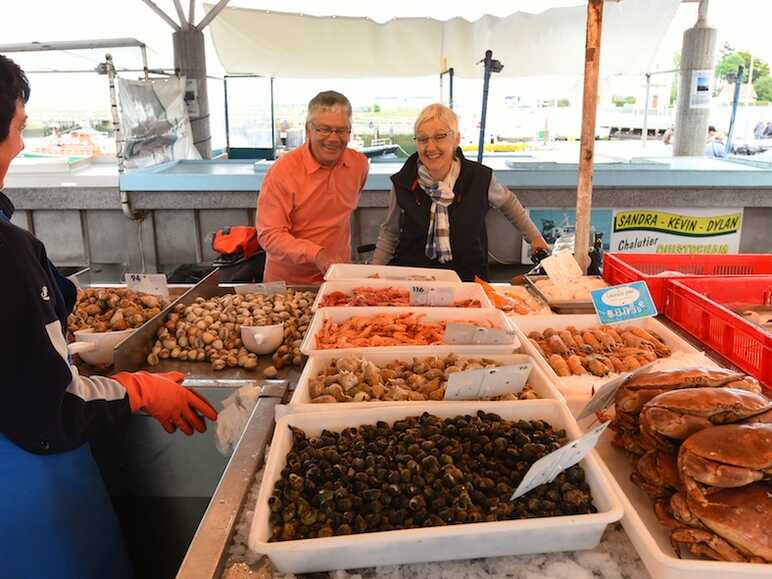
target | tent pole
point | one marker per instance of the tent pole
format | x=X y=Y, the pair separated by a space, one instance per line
x=587 y=148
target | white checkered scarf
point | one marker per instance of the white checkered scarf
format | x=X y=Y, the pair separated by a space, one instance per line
x=441 y=193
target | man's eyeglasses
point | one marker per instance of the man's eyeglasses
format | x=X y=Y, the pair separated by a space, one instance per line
x=437 y=138
x=327 y=131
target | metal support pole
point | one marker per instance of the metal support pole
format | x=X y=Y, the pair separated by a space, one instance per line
x=164 y=16
x=190 y=59
x=486 y=83
x=645 y=131
x=735 y=101
x=450 y=88
x=181 y=14
x=212 y=14
x=587 y=149
x=143 y=50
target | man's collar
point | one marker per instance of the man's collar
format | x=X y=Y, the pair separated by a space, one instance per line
x=312 y=165
x=6 y=206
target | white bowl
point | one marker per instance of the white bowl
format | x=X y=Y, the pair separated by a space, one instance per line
x=262 y=339
x=96 y=348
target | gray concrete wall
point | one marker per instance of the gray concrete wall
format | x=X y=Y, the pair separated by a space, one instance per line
x=86 y=227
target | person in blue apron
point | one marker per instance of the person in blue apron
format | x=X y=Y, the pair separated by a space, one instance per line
x=56 y=519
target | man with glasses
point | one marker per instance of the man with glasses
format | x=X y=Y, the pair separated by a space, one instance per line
x=308 y=195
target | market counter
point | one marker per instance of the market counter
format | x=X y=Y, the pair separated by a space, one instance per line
x=183 y=202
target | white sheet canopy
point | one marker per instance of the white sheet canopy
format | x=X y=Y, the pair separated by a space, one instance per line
x=548 y=43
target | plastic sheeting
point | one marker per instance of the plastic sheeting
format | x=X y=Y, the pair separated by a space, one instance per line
x=548 y=43
x=155 y=122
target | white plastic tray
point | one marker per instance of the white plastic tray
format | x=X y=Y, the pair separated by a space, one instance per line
x=301 y=401
x=465 y=541
x=339 y=271
x=308 y=347
x=461 y=291
x=651 y=539
x=526 y=324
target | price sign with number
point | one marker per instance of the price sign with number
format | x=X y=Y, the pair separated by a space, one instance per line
x=468 y=334
x=149 y=283
x=421 y=295
x=623 y=303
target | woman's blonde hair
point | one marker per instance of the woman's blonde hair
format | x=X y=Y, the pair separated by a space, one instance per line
x=439 y=112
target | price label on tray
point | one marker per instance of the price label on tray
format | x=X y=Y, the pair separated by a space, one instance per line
x=149 y=283
x=548 y=467
x=623 y=303
x=421 y=295
x=605 y=394
x=488 y=382
x=271 y=287
x=467 y=334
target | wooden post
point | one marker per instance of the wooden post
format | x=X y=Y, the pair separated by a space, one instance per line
x=587 y=149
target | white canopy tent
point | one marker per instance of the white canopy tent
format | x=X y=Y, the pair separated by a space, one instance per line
x=551 y=42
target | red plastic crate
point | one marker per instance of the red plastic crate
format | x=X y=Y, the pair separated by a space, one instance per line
x=627 y=267
x=696 y=305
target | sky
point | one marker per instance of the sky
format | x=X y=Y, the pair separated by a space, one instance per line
x=742 y=23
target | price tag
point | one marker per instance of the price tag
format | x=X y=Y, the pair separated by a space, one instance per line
x=548 y=467
x=271 y=287
x=421 y=295
x=467 y=334
x=623 y=303
x=149 y=283
x=488 y=382
x=561 y=268
x=605 y=394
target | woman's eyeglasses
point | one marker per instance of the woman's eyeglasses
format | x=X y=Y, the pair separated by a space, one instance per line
x=437 y=139
x=327 y=131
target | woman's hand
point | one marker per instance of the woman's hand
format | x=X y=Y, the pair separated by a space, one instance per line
x=539 y=243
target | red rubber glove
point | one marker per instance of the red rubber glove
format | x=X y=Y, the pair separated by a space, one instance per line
x=160 y=395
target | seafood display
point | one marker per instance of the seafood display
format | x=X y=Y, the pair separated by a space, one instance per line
x=515 y=300
x=369 y=296
x=599 y=351
x=385 y=330
x=578 y=290
x=702 y=441
x=353 y=379
x=108 y=310
x=210 y=330
x=421 y=471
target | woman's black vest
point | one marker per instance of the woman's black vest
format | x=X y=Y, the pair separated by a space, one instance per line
x=468 y=235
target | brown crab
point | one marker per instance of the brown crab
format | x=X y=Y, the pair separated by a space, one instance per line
x=676 y=415
x=631 y=397
x=728 y=525
x=726 y=456
x=656 y=474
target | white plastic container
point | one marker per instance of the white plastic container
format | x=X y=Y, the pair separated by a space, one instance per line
x=526 y=324
x=464 y=541
x=308 y=347
x=301 y=401
x=651 y=539
x=461 y=291
x=340 y=271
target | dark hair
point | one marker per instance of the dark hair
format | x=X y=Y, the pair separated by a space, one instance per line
x=13 y=86
x=711 y=129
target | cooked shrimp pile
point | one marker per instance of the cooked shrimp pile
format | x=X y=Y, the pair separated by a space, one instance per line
x=369 y=296
x=385 y=330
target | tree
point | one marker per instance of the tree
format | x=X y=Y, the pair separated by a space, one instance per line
x=728 y=66
x=376 y=108
x=763 y=88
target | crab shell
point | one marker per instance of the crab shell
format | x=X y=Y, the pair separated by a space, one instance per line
x=727 y=456
x=680 y=413
x=656 y=474
x=641 y=388
x=731 y=524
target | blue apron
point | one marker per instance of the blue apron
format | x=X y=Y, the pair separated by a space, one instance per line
x=56 y=519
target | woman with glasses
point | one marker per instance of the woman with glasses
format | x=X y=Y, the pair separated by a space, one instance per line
x=438 y=203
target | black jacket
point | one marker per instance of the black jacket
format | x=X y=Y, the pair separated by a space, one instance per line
x=46 y=407
x=468 y=234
